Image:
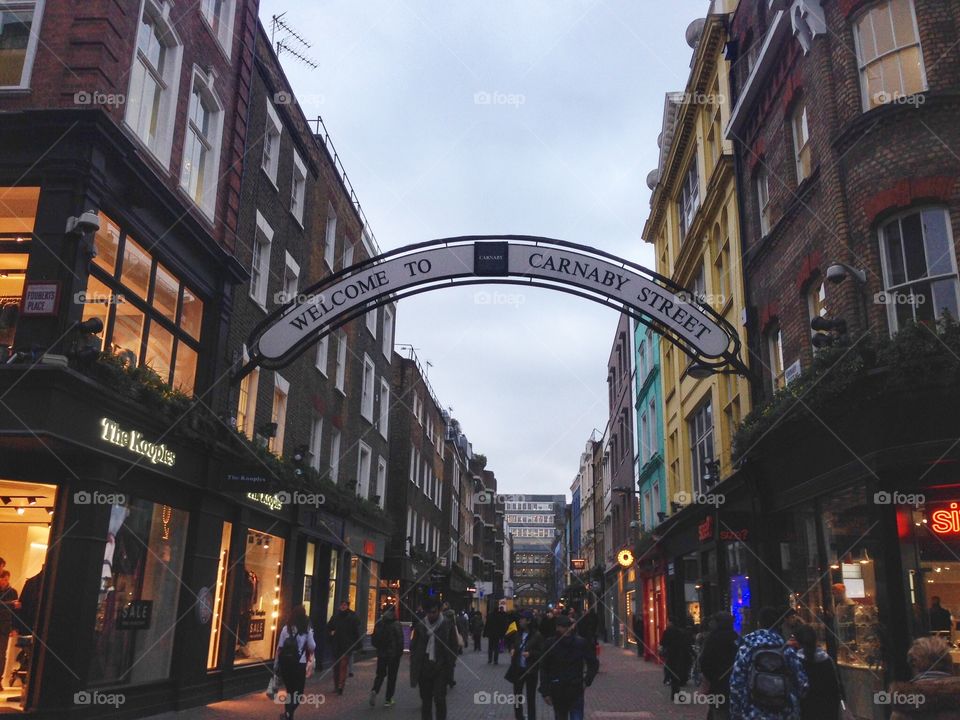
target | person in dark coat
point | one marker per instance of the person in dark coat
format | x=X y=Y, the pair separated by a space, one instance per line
x=568 y=665
x=588 y=625
x=524 y=665
x=940 y=618
x=9 y=605
x=822 y=701
x=476 y=629
x=716 y=661
x=494 y=630
x=463 y=627
x=548 y=625
x=677 y=654
x=344 y=639
x=30 y=604
x=387 y=639
x=638 y=633
x=934 y=681
x=433 y=652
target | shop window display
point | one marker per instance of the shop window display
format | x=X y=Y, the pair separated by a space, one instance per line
x=259 y=597
x=18 y=209
x=139 y=589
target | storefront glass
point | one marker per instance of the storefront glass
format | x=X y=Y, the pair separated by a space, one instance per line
x=354 y=578
x=372 y=595
x=139 y=590
x=259 y=594
x=219 y=592
x=332 y=586
x=800 y=566
x=18 y=209
x=308 y=562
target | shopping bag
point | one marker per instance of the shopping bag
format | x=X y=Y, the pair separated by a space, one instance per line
x=272 y=687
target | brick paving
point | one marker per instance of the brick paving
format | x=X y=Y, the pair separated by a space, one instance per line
x=627 y=688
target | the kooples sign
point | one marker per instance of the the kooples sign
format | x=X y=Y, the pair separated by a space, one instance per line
x=551 y=263
x=135 y=442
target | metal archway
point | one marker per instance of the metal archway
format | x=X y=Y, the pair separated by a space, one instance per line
x=653 y=300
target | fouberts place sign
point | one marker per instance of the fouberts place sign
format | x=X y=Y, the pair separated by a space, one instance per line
x=135 y=442
x=515 y=260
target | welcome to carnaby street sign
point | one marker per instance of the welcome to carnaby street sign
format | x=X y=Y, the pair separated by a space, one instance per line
x=650 y=298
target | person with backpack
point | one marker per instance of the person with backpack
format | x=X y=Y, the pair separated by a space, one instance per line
x=768 y=680
x=294 y=650
x=387 y=639
x=716 y=661
x=823 y=698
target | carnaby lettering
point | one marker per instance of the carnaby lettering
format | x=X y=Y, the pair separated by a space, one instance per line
x=576 y=268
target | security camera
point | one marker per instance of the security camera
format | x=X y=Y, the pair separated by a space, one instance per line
x=88 y=222
x=836 y=274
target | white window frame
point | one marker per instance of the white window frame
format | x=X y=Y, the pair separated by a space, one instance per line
x=207 y=199
x=159 y=12
x=346 y=259
x=800 y=125
x=34 y=39
x=334 y=455
x=260 y=254
x=384 y=421
x=763 y=200
x=869 y=102
x=363 y=477
x=413 y=464
x=387 y=340
x=330 y=237
x=689 y=200
x=316 y=442
x=272 y=134
x=224 y=35
x=322 y=360
x=371 y=319
x=702 y=432
x=897 y=291
x=774 y=339
x=278 y=413
x=298 y=188
x=291 y=279
x=252 y=382
x=341 y=360
x=368 y=384
x=381 y=489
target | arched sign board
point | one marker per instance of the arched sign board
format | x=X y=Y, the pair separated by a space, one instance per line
x=650 y=298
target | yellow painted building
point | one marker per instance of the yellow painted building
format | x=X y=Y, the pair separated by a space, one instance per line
x=694 y=226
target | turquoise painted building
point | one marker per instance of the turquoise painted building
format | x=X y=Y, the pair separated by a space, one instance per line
x=650 y=467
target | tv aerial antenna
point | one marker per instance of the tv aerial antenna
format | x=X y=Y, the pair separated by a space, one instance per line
x=288 y=35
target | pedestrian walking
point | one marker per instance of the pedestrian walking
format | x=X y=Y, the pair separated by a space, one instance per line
x=524 y=666
x=637 y=627
x=295 y=651
x=494 y=630
x=587 y=627
x=567 y=667
x=463 y=628
x=677 y=653
x=716 y=663
x=823 y=698
x=432 y=655
x=458 y=646
x=344 y=637
x=548 y=625
x=934 y=691
x=387 y=640
x=768 y=679
x=359 y=634
x=476 y=629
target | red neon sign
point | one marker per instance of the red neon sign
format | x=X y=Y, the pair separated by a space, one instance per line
x=946 y=521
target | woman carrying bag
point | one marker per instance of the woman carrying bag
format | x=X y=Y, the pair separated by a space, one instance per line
x=295 y=657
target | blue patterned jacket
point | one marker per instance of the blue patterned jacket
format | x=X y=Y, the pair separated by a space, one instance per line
x=741 y=707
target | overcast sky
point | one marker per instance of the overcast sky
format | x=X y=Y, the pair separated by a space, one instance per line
x=561 y=148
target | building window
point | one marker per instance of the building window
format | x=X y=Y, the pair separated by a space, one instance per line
x=919 y=267
x=801 y=141
x=371 y=318
x=260 y=261
x=816 y=302
x=291 y=279
x=763 y=200
x=889 y=53
x=380 y=492
x=219 y=16
x=363 y=471
x=387 y=333
x=334 y=455
x=201 y=146
x=260 y=570
x=341 y=360
x=330 y=238
x=154 y=80
x=653 y=439
x=347 y=259
x=298 y=188
x=247 y=398
x=281 y=391
x=689 y=196
x=775 y=356
x=316 y=440
x=323 y=346
x=271 y=144
x=384 y=407
x=644 y=448
x=367 y=388
x=19 y=35
x=149 y=316
x=701 y=443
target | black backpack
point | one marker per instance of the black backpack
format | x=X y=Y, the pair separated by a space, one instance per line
x=769 y=679
x=290 y=652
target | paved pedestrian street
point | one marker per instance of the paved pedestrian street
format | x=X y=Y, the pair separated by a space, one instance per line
x=626 y=688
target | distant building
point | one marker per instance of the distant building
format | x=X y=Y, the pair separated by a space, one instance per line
x=536 y=524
